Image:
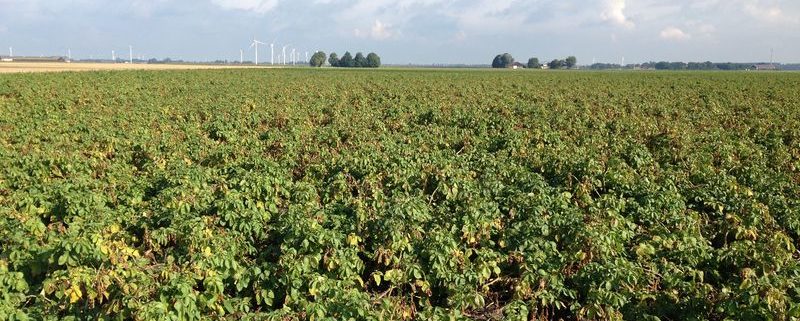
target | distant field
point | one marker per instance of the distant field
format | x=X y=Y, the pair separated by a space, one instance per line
x=305 y=194
x=17 y=67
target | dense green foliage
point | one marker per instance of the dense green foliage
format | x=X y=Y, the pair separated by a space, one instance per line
x=317 y=59
x=677 y=65
x=533 y=63
x=571 y=62
x=431 y=195
x=372 y=60
x=503 y=61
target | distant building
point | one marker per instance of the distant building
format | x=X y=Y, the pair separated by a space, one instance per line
x=764 y=67
x=38 y=59
x=6 y=59
x=517 y=65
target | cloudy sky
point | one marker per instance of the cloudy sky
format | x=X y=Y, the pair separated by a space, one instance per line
x=410 y=31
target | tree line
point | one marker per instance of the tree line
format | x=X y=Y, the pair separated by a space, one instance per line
x=507 y=61
x=372 y=60
x=676 y=65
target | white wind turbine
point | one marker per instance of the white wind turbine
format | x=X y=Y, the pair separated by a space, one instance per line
x=130 y=54
x=272 y=51
x=113 y=56
x=241 y=56
x=293 y=57
x=284 y=54
x=255 y=44
x=10 y=52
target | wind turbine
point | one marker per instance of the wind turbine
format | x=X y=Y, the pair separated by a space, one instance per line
x=69 y=54
x=272 y=51
x=113 y=56
x=241 y=56
x=10 y=52
x=293 y=57
x=130 y=54
x=255 y=44
x=284 y=54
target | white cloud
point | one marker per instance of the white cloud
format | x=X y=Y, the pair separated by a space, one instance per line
x=379 y=31
x=769 y=13
x=615 y=12
x=145 y=8
x=673 y=33
x=257 y=6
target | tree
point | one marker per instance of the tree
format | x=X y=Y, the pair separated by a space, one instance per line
x=556 y=64
x=347 y=60
x=318 y=59
x=507 y=60
x=678 y=65
x=333 y=60
x=571 y=62
x=497 y=62
x=360 y=61
x=373 y=60
x=534 y=63
x=503 y=61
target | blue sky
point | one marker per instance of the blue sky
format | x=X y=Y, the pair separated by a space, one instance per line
x=411 y=31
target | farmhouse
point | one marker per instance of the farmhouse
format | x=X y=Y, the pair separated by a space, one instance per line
x=517 y=65
x=763 y=67
x=6 y=59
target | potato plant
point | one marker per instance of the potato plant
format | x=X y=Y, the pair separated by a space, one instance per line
x=399 y=195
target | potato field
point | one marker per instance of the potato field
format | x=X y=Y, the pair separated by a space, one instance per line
x=302 y=194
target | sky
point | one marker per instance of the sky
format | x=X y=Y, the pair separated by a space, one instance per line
x=409 y=31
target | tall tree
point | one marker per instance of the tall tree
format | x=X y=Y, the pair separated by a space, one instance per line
x=373 y=60
x=347 y=60
x=507 y=60
x=556 y=64
x=534 y=63
x=360 y=61
x=318 y=59
x=333 y=60
x=571 y=62
x=497 y=62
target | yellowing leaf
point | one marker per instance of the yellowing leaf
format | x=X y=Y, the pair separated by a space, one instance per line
x=353 y=239
x=74 y=293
